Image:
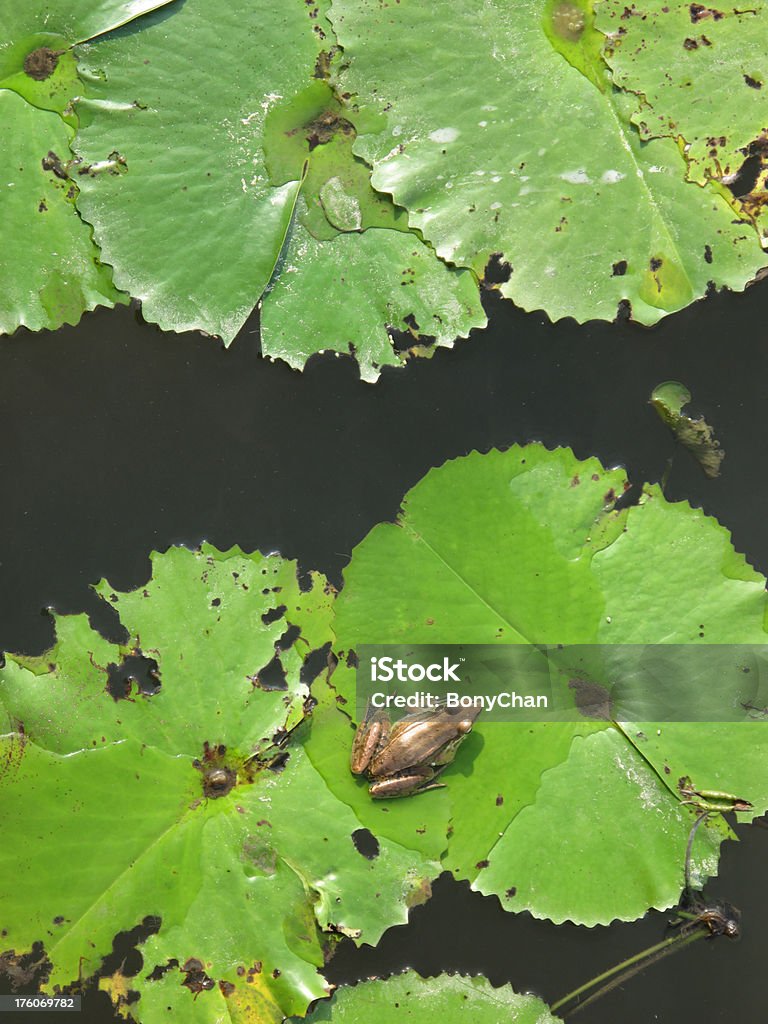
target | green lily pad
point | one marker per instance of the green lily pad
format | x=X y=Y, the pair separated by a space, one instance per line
x=669 y=399
x=36 y=59
x=700 y=73
x=194 y=228
x=52 y=270
x=292 y=203
x=182 y=793
x=50 y=267
x=586 y=213
x=347 y=293
x=440 y=1000
x=531 y=552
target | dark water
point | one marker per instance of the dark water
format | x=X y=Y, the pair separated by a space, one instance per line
x=116 y=439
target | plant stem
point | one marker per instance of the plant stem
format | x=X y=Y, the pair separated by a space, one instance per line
x=619 y=979
x=623 y=969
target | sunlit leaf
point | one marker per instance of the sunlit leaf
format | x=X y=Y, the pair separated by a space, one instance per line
x=50 y=267
x=527 y=150
x=700 y=72
x=565 y=820
x=52 y=272
x=442 y=1000
x=166 y=779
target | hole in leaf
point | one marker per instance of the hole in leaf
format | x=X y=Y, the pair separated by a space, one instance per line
x=271 y=677
x=159 y=970
x=135 y=673
x=273 y=614
x=304 y=579
x=366 y=843
x=498 y=270
x=125 y=957
x=289 y=638
x=314 y=663
x=744 y=180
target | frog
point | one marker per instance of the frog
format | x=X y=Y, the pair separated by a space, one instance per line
x=405 y=758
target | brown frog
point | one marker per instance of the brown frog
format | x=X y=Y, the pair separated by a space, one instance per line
x=406 y=758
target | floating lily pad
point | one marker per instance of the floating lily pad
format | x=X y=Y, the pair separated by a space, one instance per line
x=194 y=228
x=532 y=552
x=51 y=270
x=329 y=283
x=585 y=212
x=440 y=1000
x=165 y=779
x=700 y=72
x=350 y=293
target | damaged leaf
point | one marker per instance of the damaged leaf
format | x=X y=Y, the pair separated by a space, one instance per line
x=445 y=998
x=553 y=195
x=377 y=295
x=194 y=229
x=166 y=777
x=50 y=268
x=669 y=399
x=36 y=59
x=293 y=204
x=52 y=271
x=542 y=558
x=699 y=72
x=350 y=293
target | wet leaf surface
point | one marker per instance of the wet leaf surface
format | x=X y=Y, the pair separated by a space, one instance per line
x=432 y=1001
x=190 y=800
x=522 y=146
x=567 y=821
x=52 y=271
x=700 y=72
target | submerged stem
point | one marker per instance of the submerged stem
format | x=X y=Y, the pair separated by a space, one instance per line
x=679 y=941
x=627 y=967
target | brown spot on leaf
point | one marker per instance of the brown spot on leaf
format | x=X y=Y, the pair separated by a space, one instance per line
x=196 y=980
x=52 y=162
x=219 y=776
x=41 y=63
x=25 y=969
x=698 y=12
x=592 y=699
